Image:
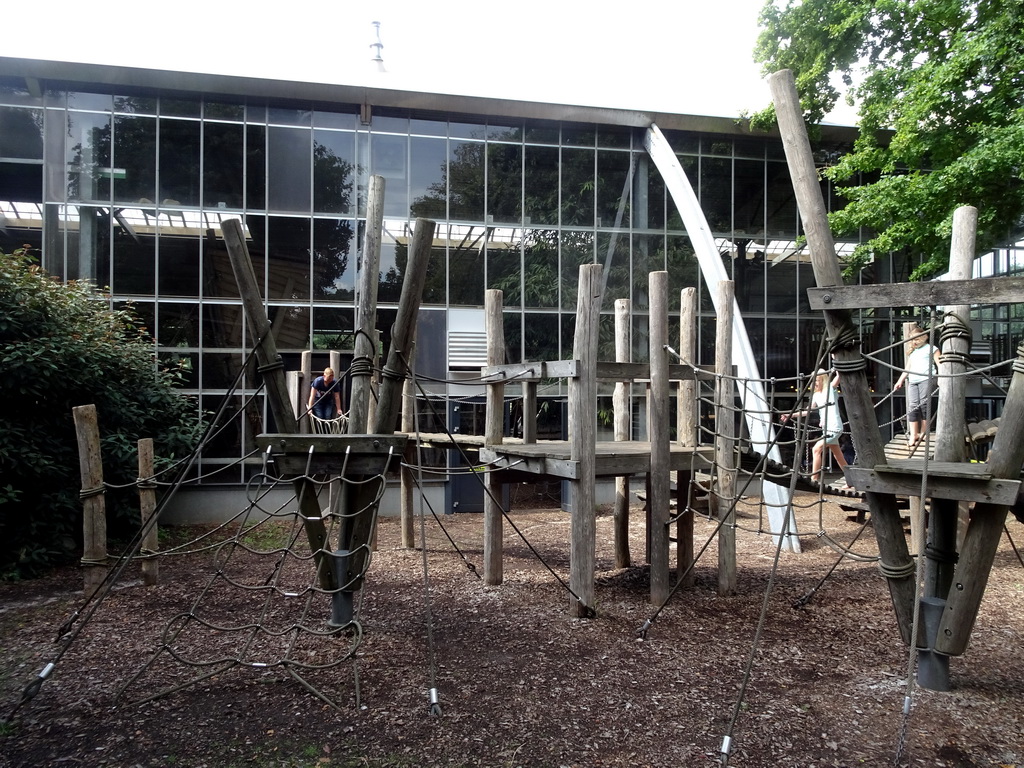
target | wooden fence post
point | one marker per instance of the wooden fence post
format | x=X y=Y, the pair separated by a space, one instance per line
x=660 y=482
x=725 y=443
x=94 y=519
x=687 y=413
x=621 y=411
x=494 y=327
x=147 y=507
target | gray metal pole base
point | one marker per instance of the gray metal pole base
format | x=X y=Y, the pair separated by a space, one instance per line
x=342 y=600
x=932 y=667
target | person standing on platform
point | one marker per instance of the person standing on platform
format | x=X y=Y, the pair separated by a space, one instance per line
x=826 y=400
x=919 y=376
x=325 y=396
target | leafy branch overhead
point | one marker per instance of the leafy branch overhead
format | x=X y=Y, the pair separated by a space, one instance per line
x=940 y=89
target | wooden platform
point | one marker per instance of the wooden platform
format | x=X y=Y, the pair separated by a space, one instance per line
x=552 y=458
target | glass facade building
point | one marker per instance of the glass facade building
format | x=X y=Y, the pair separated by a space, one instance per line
x=123 y=177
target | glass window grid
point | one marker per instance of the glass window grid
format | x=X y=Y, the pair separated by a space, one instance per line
x=564 y=137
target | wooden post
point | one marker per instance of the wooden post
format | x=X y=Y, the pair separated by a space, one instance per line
x=725 y=442
x=986 y=526
x=305 y=382
x=94 y=508
x=147 y=507
x=272 y=368
x=582 y=442
x=621 y=411
x=687 y=413
x=365 y=347
x=892 y=544
x=408 y=482
x=661 y=483
x=404 y=332
x=951 y=428
x=359 y=521
x=529 y=412
x=494 y=328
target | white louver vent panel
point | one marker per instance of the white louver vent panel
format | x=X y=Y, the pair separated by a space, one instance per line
x=467 y=350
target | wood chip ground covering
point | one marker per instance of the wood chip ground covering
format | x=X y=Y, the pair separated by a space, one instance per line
x=521 y=683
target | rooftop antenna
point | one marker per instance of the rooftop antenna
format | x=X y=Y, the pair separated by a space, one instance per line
x=377 y=58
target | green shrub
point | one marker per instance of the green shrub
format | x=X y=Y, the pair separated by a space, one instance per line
x=61 y=346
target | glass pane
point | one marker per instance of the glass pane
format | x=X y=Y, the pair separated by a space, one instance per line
x=222 y=329
x=334 y=120
x=255 y=167
x=749 y=211
x=504 y=182
x=431 y=346
x=681 y=263
x=178 y=325
x=180 y=107
x=540 y=336
x=613 y=187
x=541 y=185
x=88 y=156
x=280 y=116
x=288 y=170
x=577 y=249
x=134 y=266
x=780 y=203
x=334 y=159
x=540 y=269
x=101 y=102
x=466 y=181
x=614 y=253
x=388 y=159
x=577 y=187
x=21 y=183
x=504 y=273
x=89 y=254
x=223 y=165
x=214 y=110
x=21 y=133
x=180 y=150
x=333 y=328
x=466 y=271
x=651 y=198
x=136 y=105
x=427 y=177
x=288 y=258
x=334 y=247
x=716 y=193
x=134 y=159
x=179 y=260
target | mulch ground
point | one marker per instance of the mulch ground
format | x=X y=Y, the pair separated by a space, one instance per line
x=518 y=681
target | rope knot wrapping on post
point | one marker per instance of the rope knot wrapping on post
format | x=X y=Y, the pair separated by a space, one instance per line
x=271 y=366
x=361 y=366
x=146 y=483
x=391 y=373
x=897 y=572
x=88 y=493
x=955 y=328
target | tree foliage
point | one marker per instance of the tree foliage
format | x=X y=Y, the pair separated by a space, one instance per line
x=940 y=88
x=60 y=346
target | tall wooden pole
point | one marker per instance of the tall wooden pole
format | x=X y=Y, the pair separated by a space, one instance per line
x=582 y=442
x=94 y=508
x=725 y=442
x=621 y=411
x=896 y=563
x=272 y=368
x=687 y=413
x=147 y=508
x=365 y=347
x=660 y=483
x=403 y=333
x=494 y=327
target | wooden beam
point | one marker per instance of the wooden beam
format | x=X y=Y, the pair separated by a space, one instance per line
x=94 y=508
x=867 y=436
x=687 y=415
x=984 y=290
x=660 y=486
x=622 y=417
x=494 y=326
x=365 y=346
x=946 y=480
x=582 y=438
x=147 y=508
x=725 y=444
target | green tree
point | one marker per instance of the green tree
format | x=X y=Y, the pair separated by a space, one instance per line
x=60 y=346
x=940 y=87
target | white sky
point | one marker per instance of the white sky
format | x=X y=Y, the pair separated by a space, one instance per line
x=686 y=56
